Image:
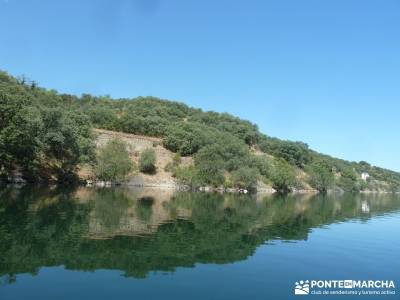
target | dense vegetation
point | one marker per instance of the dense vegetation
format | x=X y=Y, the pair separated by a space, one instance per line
x=46 y=134
x=113 y=161
x=38 y=136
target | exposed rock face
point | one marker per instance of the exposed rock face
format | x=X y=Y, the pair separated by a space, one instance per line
x=136 y=145
x=135 y=142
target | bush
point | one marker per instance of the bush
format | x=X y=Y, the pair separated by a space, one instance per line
x=348 y=181
x=147 y=161
x=113 y=162
x=262 y=163
x=245 y=177
x=321 y=177
x=187 y=175
x=295 y=153
x=186 y=138
x=210 y=165
x=283 y=176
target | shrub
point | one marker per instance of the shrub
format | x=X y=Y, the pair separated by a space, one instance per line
x=348 y=181
x=187 y=175
x=176 y=161
x=262 y=163
x=245 y=177
x=113 y=162
x=321 y=177
x=147 y=161
x=283 y=177
x=187 y=139
x=210 y=166
x=295 y=153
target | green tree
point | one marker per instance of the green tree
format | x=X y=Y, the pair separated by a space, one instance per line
x=348 y=181
x=187 y=176
x=186 y=139
x=283 y=176
x=321 y=177
x=67 y=139
x=147 y=161
x=295 y=153
x=245 y=177
x=42 y=141
x=113 y=162
x=210 y=166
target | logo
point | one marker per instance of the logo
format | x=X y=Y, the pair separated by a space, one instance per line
x=345 y=287
x=302 y=288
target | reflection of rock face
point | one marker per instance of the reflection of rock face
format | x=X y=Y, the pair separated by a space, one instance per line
x=136 y=230
x=140 y=216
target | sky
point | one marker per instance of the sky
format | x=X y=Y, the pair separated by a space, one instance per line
x=323 y=72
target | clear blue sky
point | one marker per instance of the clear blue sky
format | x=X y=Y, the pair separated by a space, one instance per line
x=324 y=72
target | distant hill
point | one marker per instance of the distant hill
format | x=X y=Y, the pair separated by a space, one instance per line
x=45 y=135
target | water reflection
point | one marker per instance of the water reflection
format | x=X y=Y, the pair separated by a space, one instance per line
x=138 y=231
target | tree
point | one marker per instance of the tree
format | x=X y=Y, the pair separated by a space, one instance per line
x=210 y=166
x=348 y=181
x=321 y=177
x=245 y=177
x=262 y=163
x=295 y=153
x=67 y=139
x=147 y=161
x=187 y=139
x=283 y=177
x=113 y=161
x=43 y=142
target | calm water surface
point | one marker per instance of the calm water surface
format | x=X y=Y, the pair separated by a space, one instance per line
x=147 y=244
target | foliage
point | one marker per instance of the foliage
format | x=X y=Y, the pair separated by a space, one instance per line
x=245 y=177
x=187 y=176
x=113 y=161
x=295 y=153
x=283 y=176
x=321 y=176
x=262 y=163
x=176 y=161
x=186 y=139
x=224 y=122
x=40 y=139
x=348 y=181
x=210 y=166
x=147 y=161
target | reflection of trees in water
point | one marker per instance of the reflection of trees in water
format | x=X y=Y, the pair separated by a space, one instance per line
x=135 y=231
x=144 y=208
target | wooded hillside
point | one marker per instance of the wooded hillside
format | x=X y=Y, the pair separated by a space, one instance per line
x=47 y=135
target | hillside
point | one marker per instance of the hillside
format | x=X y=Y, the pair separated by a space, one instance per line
x=136 y=144
x=45 y=135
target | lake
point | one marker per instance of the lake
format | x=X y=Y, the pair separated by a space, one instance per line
x=121 y=243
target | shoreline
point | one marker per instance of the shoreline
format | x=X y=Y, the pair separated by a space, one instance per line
x=179 y=188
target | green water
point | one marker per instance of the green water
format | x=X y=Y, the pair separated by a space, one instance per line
x=88 y=243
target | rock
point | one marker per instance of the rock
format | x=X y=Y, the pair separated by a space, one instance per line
x=100 y=183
